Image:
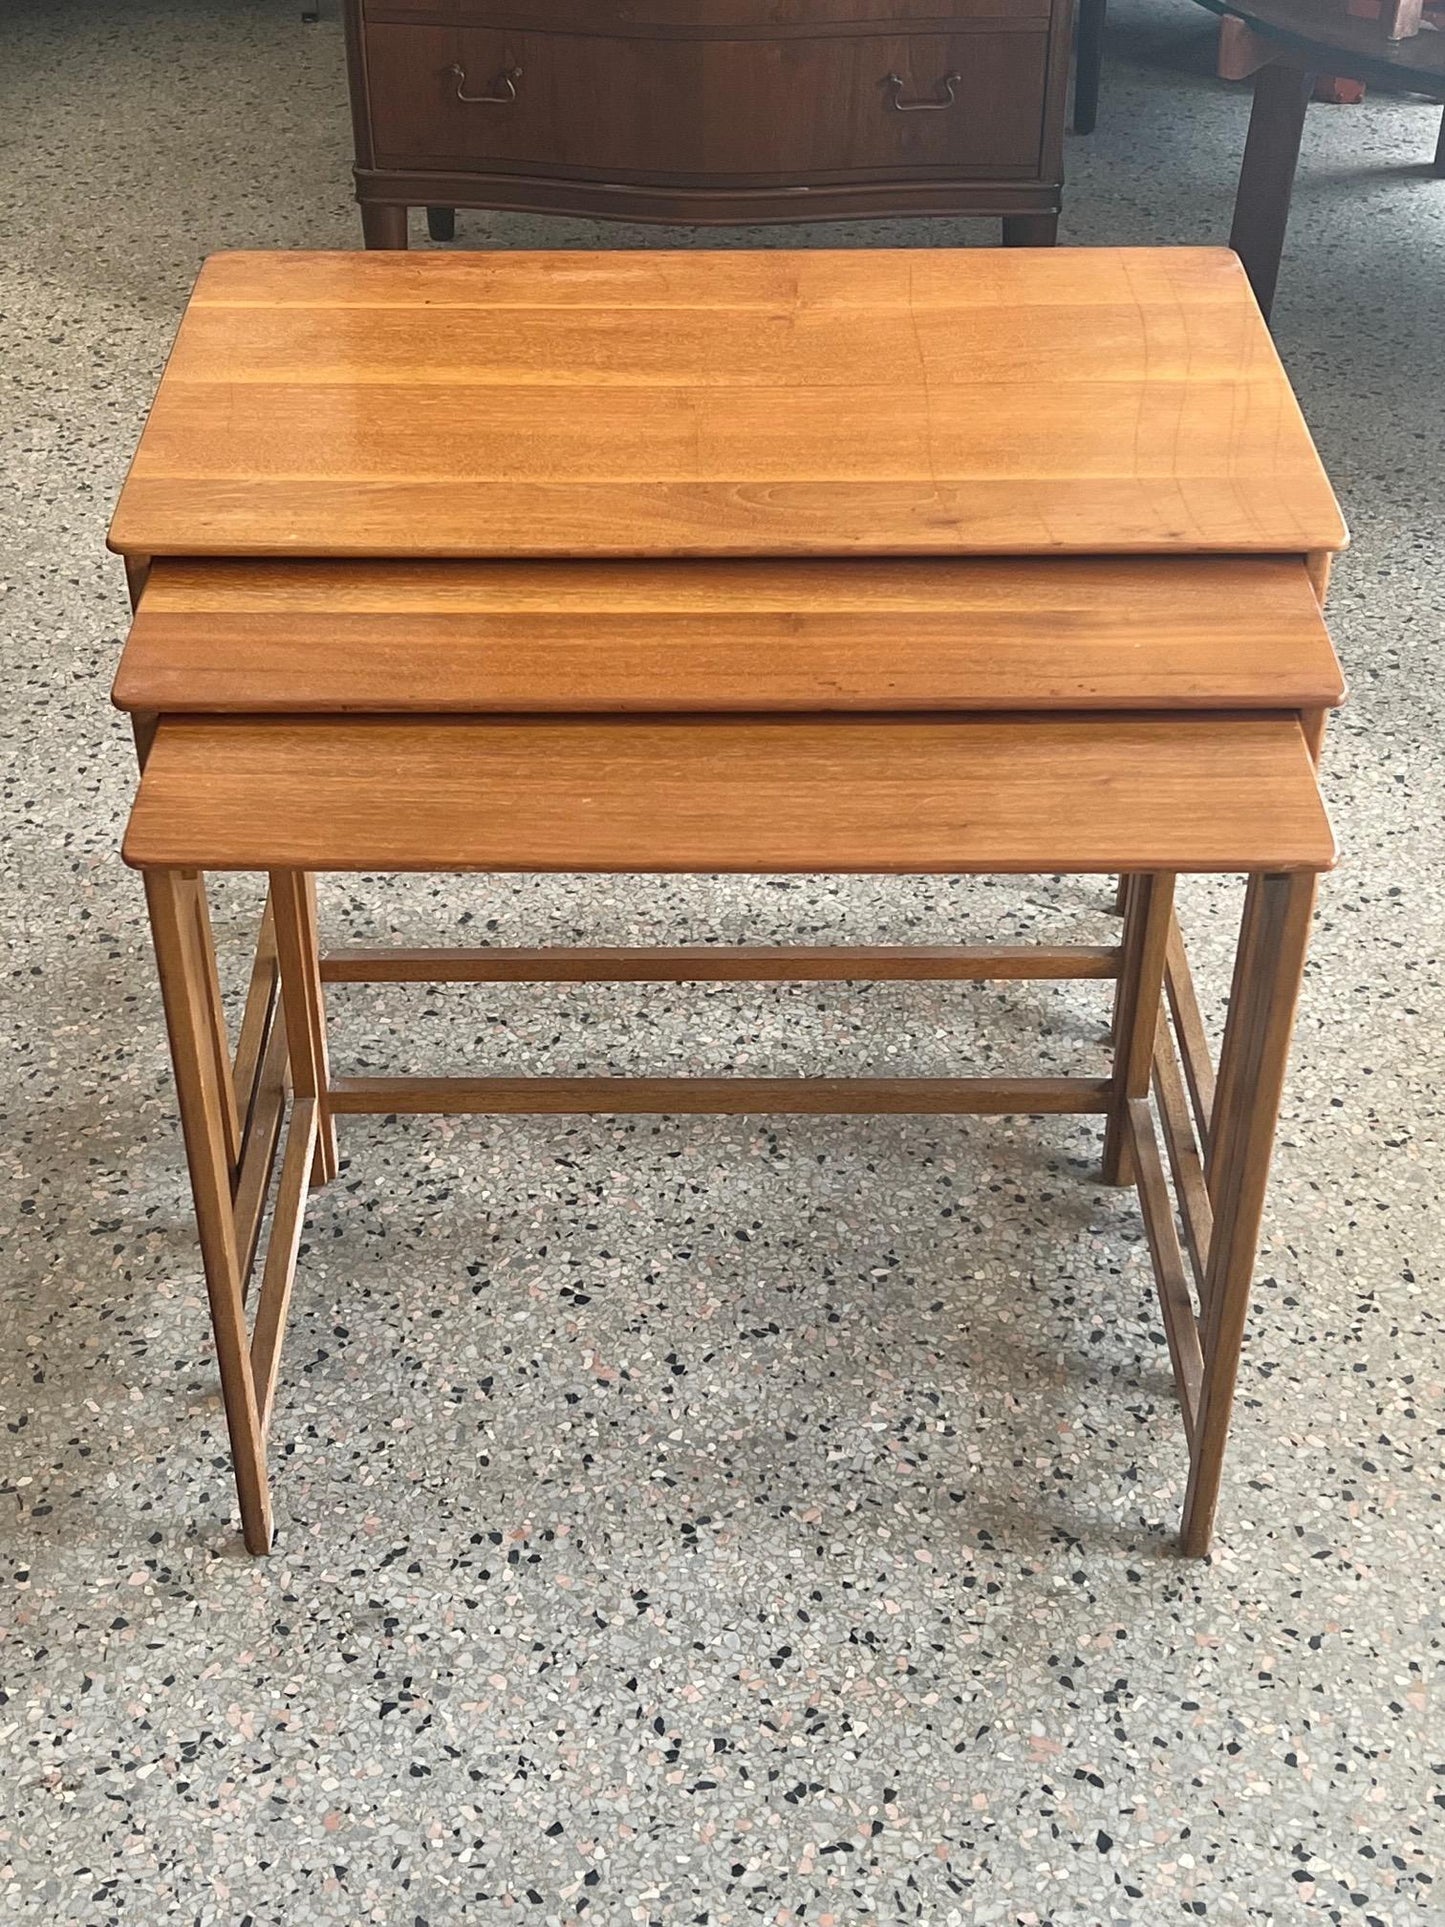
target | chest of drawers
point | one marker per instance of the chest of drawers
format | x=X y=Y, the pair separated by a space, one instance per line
x=709 y=111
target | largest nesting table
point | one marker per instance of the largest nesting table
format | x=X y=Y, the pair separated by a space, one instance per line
x=879 y=561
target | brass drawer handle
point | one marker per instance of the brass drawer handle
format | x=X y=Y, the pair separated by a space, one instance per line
x=505 y=83
x=899 y=105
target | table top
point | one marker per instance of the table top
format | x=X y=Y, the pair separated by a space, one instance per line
x=770 y=794
x=1186 y=632
x=1356 y=47
x=965 y=401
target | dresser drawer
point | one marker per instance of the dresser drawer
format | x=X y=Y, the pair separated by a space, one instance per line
x=744 y=109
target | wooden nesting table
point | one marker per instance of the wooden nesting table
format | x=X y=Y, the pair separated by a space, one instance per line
x=784 y=562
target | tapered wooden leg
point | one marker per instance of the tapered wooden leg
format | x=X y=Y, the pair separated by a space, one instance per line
x=1225 y=1098
x=137 y=568
x=1149 y=907
x=1266 y=177
x=1123 y=897
x=383 y=226
x=1088 y=61
x=1274 y=936
x=256 y=1015
x=187 y=989
x=143 y=726
x=1194 y=1053
x=216 y=1023
x=293 y=900
x=1030 y=230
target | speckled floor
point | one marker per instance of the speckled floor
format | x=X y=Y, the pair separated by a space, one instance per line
x=703 y=1521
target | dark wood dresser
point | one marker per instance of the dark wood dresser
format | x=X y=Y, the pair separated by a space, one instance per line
x=709 y=110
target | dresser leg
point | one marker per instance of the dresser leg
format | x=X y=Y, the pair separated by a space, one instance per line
x=1030 y=230
x=382 y=225
x=441 y=223
x=1088 y=59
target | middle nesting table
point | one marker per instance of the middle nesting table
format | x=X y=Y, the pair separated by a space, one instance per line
x=1191 y=635
x=822 y=633
x=254 y=674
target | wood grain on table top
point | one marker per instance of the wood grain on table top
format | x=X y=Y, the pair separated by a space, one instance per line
x=725 y=403
x=1208 y=632
x=741 y=794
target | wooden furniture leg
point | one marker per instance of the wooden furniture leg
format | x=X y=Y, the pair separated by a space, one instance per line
x=1274 y=936
x=441 y=223
x=383 y=225
x=192 y=885
x=1030 y=230
x=293 y=901
x=143 y=730
x=137 y=568
x=1088 y=60
x=1189 y=1029
x=195 y=889
x=186 y=988
x=1148 y=915
x=1266 y=178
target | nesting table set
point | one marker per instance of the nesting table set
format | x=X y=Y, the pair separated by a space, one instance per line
x=928 y=561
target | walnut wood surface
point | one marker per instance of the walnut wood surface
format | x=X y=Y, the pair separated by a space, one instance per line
x=809 y=108
x=796 y=794
x=707 y=111
x=882 y=402
x=1235 y=632
x=690 y=18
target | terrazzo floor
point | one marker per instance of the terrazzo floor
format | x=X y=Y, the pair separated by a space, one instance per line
x=704 y=1521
